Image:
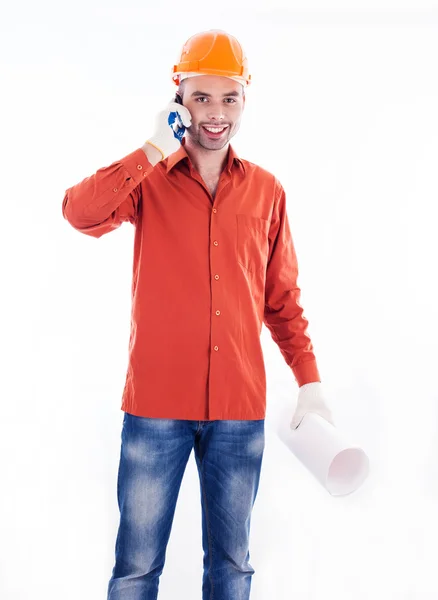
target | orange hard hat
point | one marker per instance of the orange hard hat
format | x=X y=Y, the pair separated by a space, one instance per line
x=213 y=52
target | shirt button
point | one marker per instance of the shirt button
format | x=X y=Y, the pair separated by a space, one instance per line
x=215 y=210
x=216 y=243
x=216 y=348
x=218 y=312
x=115 y=190
x=139 y=167
x=216 y=276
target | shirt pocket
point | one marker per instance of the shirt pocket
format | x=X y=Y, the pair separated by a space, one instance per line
x=252 y=242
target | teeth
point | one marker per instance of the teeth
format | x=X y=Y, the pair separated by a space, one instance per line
x=214 y=129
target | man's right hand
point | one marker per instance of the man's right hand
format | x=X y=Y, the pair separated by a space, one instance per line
x=170 y=125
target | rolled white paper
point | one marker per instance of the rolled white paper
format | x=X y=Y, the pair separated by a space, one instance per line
x=338 y=465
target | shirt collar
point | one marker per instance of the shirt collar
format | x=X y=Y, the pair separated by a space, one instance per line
x=181 y=154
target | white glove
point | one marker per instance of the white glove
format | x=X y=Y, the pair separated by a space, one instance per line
x=311 y=399
x=170 y=125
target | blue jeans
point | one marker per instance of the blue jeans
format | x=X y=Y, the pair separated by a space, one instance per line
x=153 y=458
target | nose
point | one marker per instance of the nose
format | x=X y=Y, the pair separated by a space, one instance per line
x=216 y=114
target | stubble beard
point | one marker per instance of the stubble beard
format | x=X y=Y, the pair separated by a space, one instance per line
x=201 y=139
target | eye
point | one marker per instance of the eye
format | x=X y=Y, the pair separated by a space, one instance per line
x=201 y=98
x=233 y=100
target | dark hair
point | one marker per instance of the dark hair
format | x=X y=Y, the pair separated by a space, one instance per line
x=181 y=87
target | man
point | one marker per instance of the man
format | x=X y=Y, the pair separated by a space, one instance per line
x=213 y=260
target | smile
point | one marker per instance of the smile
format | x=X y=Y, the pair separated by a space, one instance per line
x=215 y=130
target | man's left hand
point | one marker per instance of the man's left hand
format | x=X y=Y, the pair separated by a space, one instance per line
x=311 y=398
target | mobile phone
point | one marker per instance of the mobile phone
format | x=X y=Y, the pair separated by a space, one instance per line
x=175 y=120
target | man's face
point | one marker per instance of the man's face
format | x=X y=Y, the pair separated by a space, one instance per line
x=214 y=102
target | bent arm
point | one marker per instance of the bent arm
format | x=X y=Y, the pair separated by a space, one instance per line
x=102 y=202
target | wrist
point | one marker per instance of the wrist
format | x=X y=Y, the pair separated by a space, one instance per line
x=311 y=385
x=154 y=154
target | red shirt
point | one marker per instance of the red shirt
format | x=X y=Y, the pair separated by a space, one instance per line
x=207 y=273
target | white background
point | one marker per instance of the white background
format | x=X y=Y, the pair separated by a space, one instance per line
x=343 y=110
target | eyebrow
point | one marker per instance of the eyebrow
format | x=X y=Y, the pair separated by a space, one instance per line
x=199 y=93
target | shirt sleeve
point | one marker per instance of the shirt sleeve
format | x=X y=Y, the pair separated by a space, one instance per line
x=283 y=314
x=103 y=201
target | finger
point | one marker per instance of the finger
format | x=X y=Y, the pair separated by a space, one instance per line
x=297 y=420
x=183 y=111
x=185 y=115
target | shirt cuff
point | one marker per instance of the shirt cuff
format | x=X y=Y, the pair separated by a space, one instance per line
x=137 y=165
x=306 y=372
